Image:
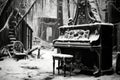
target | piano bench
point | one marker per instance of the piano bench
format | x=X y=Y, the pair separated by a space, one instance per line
x=62 y=62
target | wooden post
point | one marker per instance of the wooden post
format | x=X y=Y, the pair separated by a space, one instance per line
x=38 y=53
x=59 y=17
x=60 y=12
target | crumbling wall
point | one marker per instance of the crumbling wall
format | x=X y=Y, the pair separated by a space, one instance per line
x=48 y=9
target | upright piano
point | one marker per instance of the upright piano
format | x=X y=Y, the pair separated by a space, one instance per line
x=90 y=44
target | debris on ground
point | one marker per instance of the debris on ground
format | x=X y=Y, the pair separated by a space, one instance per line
x=41 y=69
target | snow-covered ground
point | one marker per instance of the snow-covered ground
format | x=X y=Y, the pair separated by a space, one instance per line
x=40 y=69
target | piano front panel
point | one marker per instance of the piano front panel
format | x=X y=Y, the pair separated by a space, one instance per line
x=79 y=33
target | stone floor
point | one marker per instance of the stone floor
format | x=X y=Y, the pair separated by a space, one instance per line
x=40 y=69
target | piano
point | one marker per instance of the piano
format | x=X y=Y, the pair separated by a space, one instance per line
x=90 y=44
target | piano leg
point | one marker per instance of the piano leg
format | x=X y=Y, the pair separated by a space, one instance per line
x=70 y=68
x=53 y=65
x=59 y=61
x=98 y=73
x=64 y=66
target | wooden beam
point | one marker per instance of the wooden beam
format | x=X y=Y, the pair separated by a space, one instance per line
x=5 y=7
x=26 y=13
x=3 y=14
x=68 y=6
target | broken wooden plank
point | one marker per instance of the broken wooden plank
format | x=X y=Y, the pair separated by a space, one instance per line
x=29 y=52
